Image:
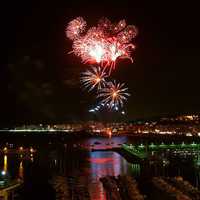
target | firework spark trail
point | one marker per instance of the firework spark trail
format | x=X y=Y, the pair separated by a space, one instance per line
x=93 y=78
x=114 y=94
x=103 y=45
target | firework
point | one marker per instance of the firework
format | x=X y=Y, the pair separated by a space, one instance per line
x=127 y=34
x=93 y=78
x=120 y=26
x=103 y=44
x=104 y=24
x=114 y=95
x=75 y=28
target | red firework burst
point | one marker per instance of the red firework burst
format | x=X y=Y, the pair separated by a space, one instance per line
x=103 y=44
x=75 y=28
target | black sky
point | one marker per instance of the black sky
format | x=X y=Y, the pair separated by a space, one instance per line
x=40 y=81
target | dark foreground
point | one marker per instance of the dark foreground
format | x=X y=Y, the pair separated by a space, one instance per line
x=66 y=168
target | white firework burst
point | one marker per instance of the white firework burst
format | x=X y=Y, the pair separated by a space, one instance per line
x=93 y=78
x=114 y=94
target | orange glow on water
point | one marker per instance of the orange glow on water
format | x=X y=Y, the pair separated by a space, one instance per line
x=5 y=163
x=109 y=132
x=5 y=149
x=21 y=170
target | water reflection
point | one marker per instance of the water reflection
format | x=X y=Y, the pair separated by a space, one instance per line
x=31 y=157
x=105 y=143
x=87 y=168
x=135 y=168
x=12 y=163
x=81 y=167
x=21 y=171
x=5 y=163
x=103 y=163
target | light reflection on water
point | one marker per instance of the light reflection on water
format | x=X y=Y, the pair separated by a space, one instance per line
x=90 y=166
x=107 y=163
x=103 y=164
x=105 y=143
x=13 y=165
x=5 y=163
x=21 y=171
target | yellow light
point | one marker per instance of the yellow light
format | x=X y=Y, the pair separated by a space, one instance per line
x=114 y=94
x=21 y=148
x=190 y=117
x=5 y=149
x=109 y=132
x=5 y=163
x=98 y=80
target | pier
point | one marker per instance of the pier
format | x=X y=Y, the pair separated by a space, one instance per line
x=142 y=151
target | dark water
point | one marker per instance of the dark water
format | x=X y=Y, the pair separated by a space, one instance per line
x=80 y=166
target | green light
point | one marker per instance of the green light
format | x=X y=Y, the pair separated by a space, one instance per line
x=141 y=146
x=183 y=144
x=172 y=145
x=193 y=144
x=152 y=145
x=162 y=145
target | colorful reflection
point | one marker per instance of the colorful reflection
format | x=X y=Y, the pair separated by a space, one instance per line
x=107 y=163
x=31 y=157
x=105 y=143
x=103 y=163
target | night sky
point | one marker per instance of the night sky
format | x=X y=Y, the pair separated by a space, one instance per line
x=40 y=81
